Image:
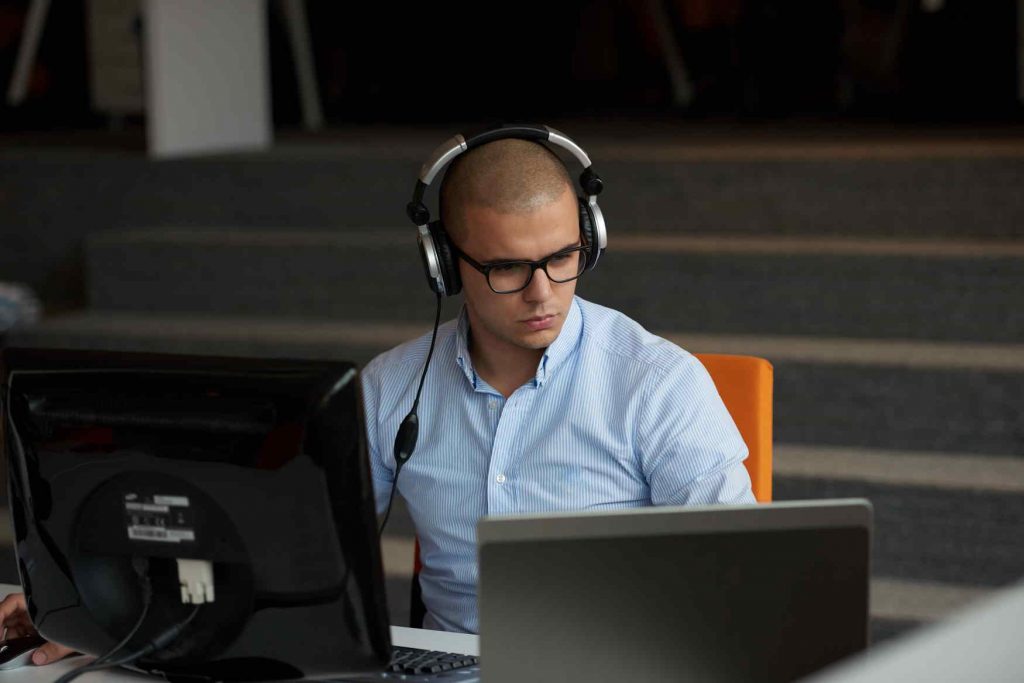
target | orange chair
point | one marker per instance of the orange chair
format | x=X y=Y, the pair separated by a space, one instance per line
x=745 y=385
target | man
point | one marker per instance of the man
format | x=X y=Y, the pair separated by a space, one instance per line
x=535 y=399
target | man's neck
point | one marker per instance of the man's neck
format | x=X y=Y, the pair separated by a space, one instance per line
x=507 y=368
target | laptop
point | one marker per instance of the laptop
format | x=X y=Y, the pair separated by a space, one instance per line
x=768 y=592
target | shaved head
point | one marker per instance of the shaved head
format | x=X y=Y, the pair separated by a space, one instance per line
x=508 y=176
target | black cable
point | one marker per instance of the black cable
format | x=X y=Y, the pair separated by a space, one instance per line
x=408 y=431
x=430 y=353
x=161 y=641
x=141 y=566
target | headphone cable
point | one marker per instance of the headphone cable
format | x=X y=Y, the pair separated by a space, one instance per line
x=408 y=431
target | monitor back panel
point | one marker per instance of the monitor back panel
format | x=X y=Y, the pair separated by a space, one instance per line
x=256 y=466
x=759 y=593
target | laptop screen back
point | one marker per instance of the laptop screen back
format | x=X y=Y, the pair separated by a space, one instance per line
x=765 y=593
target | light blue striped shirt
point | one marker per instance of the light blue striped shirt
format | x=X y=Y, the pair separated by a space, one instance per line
x=614 y=417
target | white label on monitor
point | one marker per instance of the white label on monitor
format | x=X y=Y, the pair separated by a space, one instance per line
x=156 y=533
x=146 y=507
x=160 y=518
x=180 y=501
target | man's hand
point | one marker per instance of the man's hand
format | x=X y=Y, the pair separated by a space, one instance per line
x=14 y=617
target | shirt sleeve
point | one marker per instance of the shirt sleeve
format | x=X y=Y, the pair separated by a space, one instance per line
x=380 y=472
x=690 y=450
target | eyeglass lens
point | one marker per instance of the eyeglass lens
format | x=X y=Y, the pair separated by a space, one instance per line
x=511 y=277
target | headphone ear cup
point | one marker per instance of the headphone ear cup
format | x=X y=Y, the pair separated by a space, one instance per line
x=447 y=264
x=587 y=230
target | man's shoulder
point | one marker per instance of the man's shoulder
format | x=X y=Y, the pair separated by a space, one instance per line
x=618 y=336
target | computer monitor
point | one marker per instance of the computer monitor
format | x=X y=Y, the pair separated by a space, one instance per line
x=122 y=465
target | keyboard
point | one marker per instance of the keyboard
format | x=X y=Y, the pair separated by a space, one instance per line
x=410 y=661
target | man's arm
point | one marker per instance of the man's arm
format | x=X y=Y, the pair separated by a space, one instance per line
x=382 y=476
x=689 y=447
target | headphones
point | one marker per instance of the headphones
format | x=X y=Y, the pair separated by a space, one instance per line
x=439 y=260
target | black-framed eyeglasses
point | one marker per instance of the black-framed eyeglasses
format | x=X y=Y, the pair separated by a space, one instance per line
x=509 y=277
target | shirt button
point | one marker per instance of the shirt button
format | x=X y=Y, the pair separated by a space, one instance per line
x=500 y=479
x=492 y=403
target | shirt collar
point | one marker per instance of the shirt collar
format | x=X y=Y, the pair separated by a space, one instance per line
x=556 y=354
x=462 y=347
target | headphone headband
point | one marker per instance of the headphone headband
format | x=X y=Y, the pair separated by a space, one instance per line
x=446 y=152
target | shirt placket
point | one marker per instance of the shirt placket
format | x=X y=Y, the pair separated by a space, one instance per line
x=501 y=485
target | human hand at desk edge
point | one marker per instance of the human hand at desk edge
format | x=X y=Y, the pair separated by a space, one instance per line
x=14 y=616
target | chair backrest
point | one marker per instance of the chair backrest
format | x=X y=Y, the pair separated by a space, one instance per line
x=745 y=385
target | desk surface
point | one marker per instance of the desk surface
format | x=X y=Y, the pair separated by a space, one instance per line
x=400 y=635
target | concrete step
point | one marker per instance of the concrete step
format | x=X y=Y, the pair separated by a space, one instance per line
x=826 y=393
x=881 y=189
x=968 y=538
x=677 y=179
x=966 y=291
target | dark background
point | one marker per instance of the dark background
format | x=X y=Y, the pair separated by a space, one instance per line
x=751 y=60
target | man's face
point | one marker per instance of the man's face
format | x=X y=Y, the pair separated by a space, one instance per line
x=531 y=318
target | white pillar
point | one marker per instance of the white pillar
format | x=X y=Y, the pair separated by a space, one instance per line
x=294 y=12
x=207 y=76
x=34 y=22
